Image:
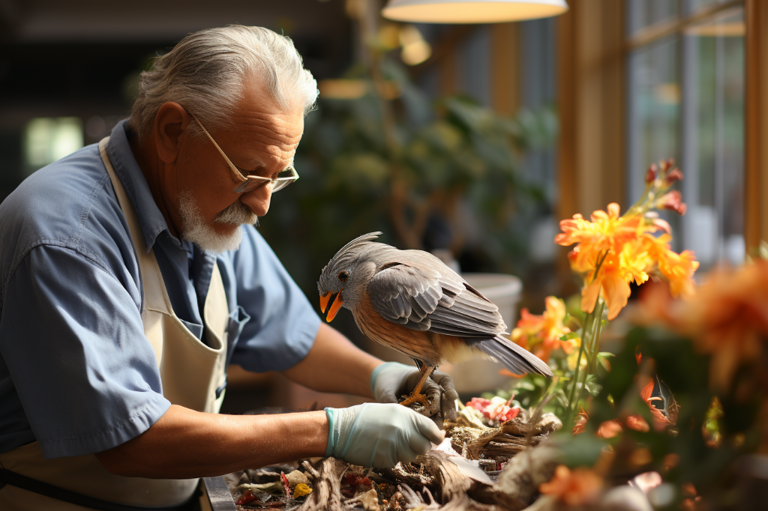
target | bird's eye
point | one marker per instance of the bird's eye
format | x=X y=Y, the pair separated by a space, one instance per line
x=343 y=276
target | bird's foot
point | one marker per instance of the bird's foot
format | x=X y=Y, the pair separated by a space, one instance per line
x=416 y=397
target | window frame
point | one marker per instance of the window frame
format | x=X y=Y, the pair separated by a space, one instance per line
x=592 y=62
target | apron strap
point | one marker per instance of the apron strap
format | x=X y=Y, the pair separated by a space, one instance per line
x=54 y=492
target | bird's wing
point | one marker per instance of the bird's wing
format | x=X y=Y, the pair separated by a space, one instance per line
x=421 y=294
x=406 y=295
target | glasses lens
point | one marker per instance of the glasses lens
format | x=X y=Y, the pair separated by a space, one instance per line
x=283 y=179
x=288 y=173
x=248 y=185
x=281 y=183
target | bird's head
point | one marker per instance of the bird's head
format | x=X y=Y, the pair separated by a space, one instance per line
x=346 y=275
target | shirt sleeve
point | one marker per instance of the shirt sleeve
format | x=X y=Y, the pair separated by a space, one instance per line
x=72 y=338
x=282 y=325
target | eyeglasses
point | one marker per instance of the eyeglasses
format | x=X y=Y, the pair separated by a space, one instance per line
x=250 y=181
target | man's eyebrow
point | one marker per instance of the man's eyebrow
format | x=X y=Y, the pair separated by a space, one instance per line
x=260 y=165
x=253 y=162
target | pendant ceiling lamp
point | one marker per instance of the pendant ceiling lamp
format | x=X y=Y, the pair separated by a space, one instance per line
x=471 y=11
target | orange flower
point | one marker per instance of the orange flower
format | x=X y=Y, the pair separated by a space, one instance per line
x=581 y=422
x=614 y=276
x=573 y=487
x=612 y=251
x=660 y=421
x=609 y=429
x=541 y=334
x=605 y=232
x=678 y=269
x=637 y=423
x=728 y=318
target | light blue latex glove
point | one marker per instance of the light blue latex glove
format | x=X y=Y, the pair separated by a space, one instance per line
x=379 y=435
x=393 y=379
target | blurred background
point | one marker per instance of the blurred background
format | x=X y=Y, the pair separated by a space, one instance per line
x=472 y=141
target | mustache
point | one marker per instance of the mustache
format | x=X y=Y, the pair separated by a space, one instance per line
x=237 y=214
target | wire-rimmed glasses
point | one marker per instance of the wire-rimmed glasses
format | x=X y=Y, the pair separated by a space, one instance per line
x=250 y=182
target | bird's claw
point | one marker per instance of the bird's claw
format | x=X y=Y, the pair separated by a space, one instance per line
x=427 y=405
x=413 y=398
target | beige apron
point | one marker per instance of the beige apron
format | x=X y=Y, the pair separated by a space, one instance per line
x=190 y=372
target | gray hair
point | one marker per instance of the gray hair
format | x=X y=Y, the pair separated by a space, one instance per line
x=205 y=73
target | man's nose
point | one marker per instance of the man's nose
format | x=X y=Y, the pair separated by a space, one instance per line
x=259 y=199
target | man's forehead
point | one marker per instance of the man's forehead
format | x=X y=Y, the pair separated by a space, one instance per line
x=279 y=133
x=259 y=112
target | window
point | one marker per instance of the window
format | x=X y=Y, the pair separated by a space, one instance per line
x=685 y=100
x=47 y=139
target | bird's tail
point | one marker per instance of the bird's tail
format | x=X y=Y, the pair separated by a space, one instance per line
x=513 y=357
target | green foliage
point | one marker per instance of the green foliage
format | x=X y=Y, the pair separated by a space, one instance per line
x=529 y=391
x=700 y=443
x=711 y=430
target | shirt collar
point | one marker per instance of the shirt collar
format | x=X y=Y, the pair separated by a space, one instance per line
x=127 y=169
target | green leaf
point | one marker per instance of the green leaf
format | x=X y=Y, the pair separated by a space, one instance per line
x=569 y=336
x=575 y=319
x=592 y=386
x=582 y=450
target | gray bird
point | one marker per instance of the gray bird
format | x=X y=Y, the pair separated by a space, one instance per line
x=409 y=300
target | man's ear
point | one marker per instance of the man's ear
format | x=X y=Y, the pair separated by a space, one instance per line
x=171 y=122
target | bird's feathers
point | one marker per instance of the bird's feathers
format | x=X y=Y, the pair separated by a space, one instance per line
x=358 y=241
x=420 y=292
x=415 y=290
x=513 y=357
x=405 y=294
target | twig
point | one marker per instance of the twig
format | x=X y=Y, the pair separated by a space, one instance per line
x=536 y=417
x=326 y=491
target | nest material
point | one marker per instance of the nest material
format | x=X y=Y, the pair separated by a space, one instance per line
x=476 y=441
x=433 y=482
x=326 y=485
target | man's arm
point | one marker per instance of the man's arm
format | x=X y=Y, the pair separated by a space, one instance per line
x=184 y=443
x=334 y=364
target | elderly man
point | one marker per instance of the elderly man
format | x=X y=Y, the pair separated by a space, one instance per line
x=131 y=275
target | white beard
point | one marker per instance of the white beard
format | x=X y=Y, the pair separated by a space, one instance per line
x=203 y=235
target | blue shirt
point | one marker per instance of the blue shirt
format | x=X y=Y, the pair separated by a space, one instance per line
x=77 y=373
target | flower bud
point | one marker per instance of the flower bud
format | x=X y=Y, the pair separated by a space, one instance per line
x=674 y=175
x=650 y=174
x=674 y=201
x=666 y=164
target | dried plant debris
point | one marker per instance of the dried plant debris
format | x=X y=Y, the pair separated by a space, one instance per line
x=479 y=467
x=477 y=441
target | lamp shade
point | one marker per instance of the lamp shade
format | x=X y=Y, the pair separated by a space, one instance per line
x=471 y=11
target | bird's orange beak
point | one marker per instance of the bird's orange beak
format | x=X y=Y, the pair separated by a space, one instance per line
x=324 y=299
x=335 y=306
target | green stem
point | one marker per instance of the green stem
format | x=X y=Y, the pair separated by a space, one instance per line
x=583 y=376
x=574 y=379
x=591 y=339
x=595 y=349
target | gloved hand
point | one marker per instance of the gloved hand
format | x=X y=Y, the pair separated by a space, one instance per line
x=379 y=435
x=392 y=379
